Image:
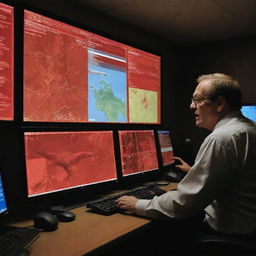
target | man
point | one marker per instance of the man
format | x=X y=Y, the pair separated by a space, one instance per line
x=222 y=181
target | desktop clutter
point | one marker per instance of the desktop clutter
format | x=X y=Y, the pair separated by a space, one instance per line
x=48 y=221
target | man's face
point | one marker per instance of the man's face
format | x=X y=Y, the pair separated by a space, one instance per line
x=205 y=110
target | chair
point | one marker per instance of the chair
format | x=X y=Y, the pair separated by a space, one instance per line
x=214 y=244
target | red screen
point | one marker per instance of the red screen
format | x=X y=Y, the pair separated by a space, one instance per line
x=138 y=151
x=72 y=75
x=6 y=63
x=166 y=147
x=62 y=160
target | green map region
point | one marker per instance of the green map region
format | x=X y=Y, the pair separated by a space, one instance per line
x=106 y=102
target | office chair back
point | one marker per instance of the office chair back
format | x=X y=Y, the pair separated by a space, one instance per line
x=224 y=244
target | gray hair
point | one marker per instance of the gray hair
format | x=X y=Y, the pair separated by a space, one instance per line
x=225 y=86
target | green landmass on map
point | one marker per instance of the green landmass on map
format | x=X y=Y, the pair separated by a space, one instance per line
x=108 y=103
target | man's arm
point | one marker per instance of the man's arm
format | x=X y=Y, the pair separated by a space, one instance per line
x=196 y=191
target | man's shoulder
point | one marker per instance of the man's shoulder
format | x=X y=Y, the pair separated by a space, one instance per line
x=234 y=130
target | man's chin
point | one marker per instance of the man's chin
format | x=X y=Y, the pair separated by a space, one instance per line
x=198 y=123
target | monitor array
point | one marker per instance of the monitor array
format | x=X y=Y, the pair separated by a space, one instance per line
x=63 y=160
x=73 y=76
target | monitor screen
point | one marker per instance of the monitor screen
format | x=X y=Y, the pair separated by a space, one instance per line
x=7 y=62
x=166 y=147
x=138 y=151
x=62 y=160
x=249 y=111
x=73 y=75
x=3 y=207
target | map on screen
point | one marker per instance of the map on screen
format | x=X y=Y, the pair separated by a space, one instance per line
x=63 y=160
x=73 y=75
x=107 y=98
x=138 y=151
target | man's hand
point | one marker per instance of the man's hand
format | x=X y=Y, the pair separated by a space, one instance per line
x=183 y=166
x=127 y=203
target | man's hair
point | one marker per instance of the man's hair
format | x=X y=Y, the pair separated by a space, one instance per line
x=225 y=86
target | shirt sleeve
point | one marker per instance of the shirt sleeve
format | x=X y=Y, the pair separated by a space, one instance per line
x=199 y=187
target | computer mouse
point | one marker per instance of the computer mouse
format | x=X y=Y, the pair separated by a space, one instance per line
x=46 y=221
x=65 y=216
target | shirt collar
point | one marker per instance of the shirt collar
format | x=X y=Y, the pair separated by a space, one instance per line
x=226 y=118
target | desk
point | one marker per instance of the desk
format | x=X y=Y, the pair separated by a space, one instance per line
x=87 y=233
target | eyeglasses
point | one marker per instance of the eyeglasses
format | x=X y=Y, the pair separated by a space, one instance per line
x=198 y=100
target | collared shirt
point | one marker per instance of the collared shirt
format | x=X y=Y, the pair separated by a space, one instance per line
x=222 y=181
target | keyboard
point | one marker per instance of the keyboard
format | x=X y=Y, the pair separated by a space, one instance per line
x=107 y=206
x=13 y=240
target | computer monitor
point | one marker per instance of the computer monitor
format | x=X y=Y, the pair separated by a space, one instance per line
x=58 y=161
x=138 y=151
x=73 y=75
x=3 y=205
x=170 y=172
x=7 y=62
x=249 y=111
x=166 y=148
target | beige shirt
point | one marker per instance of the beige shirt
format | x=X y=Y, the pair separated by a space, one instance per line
x=222 y=181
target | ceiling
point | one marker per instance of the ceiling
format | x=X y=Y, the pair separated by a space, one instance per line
x=184 y=21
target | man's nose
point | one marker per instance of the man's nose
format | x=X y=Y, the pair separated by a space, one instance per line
x=192 y=105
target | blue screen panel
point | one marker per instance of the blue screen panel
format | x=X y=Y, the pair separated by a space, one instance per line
x=3 y=206
x=249 y=111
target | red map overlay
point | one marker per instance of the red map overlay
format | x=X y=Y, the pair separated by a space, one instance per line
x=56 y=70
x=138 y=151
x=6 y=62
x=166 y=147
x=62 y=160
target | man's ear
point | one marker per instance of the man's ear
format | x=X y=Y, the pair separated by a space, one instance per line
x=221 y=103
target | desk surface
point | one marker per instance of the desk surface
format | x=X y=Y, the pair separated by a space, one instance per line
x=87 y=233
